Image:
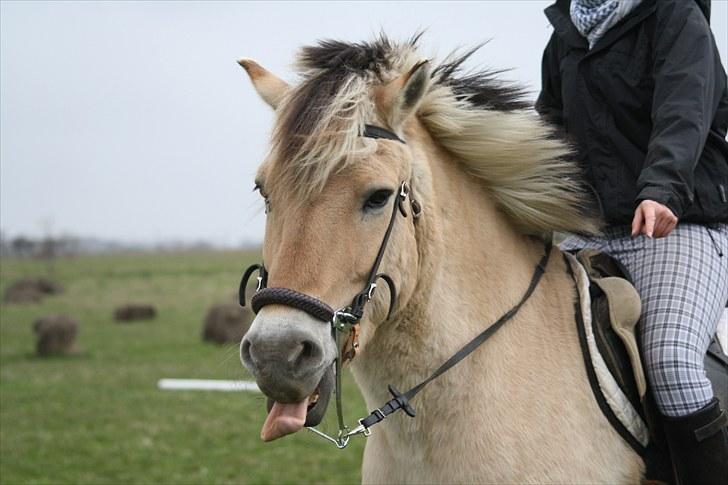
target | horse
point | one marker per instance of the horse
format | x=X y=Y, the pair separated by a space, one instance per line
x=492 y=182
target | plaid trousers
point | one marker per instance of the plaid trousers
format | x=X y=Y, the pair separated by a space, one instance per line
x=682 y=280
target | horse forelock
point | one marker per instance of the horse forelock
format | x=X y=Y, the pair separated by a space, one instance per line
x=317 y=132
x=475 y=115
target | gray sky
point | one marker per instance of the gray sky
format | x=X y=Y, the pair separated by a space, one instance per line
x=132 y=121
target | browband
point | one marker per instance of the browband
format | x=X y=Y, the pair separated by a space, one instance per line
x=372 y=131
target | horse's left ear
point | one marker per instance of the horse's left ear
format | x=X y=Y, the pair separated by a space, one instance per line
x=400 y=98
x=269 y=86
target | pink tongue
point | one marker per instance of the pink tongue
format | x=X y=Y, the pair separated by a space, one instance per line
x=284 y=419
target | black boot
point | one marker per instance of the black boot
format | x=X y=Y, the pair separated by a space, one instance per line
x=699 y=445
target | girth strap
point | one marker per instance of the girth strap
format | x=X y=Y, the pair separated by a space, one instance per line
x=401 y=401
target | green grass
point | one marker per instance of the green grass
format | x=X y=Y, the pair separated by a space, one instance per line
x=98 y=417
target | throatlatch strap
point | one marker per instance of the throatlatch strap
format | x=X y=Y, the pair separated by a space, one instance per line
x=401 y=401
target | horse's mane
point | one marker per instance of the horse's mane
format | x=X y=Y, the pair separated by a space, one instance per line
x=483 y=121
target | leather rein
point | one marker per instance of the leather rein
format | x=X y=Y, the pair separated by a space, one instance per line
x=347 y=319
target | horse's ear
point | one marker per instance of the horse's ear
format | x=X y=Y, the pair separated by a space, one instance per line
x=269 y=86
x=401 y=97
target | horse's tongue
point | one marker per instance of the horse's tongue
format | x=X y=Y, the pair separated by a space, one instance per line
x=284 y=419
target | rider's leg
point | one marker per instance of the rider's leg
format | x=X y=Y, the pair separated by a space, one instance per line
x=683 y=282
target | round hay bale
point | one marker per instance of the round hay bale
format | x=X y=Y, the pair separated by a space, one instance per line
x=22 y=294
x=226 y=323
x=55 y=335
x=31 y=290
x=48 y=287
x=134 y=311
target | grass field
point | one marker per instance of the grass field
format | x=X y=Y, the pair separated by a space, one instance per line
x=98 y=417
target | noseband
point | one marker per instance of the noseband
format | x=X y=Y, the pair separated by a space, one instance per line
x=348 y=318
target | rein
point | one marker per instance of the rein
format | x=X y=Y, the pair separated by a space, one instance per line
x=347 y=319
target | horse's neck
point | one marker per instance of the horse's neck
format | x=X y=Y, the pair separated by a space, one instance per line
x=473 y=269
x=482 y=259
x=479 y=264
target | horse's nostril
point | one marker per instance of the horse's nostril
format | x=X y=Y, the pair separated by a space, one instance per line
x=245 y=356
x=305 y=354
x=308 y=350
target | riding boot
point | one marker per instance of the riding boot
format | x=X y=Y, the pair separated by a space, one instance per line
x=699 y=445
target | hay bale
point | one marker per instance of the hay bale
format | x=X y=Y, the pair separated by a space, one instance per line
x=55 y=335
x=31 y=290
x=49 y=287
x=134 y=311
x=22 y=294
x=226 y=323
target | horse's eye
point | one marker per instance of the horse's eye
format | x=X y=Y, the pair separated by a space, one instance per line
x=259 y=189
x=378 y=199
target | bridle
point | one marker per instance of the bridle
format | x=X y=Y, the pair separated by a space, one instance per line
x=347 y=320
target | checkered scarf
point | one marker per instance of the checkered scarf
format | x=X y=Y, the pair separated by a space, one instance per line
x=594 y=17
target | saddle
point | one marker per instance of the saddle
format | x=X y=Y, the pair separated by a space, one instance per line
x=607 y=310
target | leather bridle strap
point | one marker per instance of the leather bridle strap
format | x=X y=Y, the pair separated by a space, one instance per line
x=319 y=309
x=401 y=401
x=373 y=131
x=356 y=308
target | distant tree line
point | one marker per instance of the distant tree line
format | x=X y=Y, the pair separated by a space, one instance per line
x=49 y=248
x=42 y=248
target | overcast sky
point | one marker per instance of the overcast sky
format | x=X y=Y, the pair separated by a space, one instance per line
x=132 y=121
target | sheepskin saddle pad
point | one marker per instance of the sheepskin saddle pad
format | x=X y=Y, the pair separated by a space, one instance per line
x=607 y=310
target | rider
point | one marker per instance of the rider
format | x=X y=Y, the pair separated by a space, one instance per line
x=639 y=88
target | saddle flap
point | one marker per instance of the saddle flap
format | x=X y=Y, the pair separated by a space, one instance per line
x=623 y=303
x=624 y=313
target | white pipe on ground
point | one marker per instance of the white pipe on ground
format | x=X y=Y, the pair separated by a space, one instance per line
x=206 y=385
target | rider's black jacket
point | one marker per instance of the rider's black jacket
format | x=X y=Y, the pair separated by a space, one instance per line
x=647 y=108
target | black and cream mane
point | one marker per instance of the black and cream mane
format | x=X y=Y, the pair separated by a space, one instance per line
x=482 y=120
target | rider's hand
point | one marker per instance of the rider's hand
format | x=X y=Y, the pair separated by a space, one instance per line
x=653 y=219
